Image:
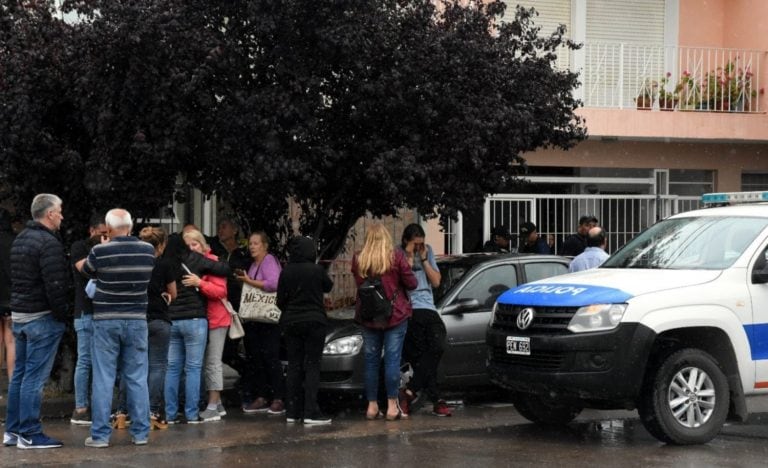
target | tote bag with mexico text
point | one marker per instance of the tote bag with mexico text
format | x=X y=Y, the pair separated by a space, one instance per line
x=258 y=306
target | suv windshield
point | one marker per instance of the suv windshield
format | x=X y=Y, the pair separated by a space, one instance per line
x=703 y=243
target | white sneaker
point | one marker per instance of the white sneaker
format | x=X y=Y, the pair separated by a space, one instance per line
x=89 y=442
x=209 y=415
x=317 y=420
x=10 y=439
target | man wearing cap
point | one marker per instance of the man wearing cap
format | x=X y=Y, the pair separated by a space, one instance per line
x=531 y=242
x=576 y=243
x=499 y=242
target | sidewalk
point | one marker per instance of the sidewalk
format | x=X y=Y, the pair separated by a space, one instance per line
x=60 y=406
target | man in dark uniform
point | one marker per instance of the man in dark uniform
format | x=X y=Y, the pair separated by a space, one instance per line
x=576 y=243
x=500 y=240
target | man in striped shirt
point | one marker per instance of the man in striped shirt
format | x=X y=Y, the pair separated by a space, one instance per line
x=122 y=269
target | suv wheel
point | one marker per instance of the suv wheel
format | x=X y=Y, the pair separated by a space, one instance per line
x=686 y=400
x=545 y=410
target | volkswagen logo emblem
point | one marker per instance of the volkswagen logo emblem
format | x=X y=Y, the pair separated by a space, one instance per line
x=525 y=318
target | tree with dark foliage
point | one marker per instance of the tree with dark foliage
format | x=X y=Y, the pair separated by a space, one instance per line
x=347 y=107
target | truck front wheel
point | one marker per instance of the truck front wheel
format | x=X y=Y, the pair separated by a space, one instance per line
x=545 y=410
x=686 y=400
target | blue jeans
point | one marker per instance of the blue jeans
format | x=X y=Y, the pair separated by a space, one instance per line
x=123 y=344
x=391 y=340
x=159 y=339
x=36 y=345
x=186 y=351
x=84 y=329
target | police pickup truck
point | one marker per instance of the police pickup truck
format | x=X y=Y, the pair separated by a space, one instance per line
x=674 y=324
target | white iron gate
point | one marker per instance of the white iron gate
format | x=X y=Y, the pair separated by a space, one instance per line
x=622 y=216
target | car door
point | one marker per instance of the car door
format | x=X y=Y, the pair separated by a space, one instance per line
x=465 y=355
x=757 y=330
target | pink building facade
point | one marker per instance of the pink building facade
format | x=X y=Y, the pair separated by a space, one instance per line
x=710 y=57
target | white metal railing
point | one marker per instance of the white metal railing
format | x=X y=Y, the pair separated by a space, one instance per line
x=620 y=75
x=622 y=216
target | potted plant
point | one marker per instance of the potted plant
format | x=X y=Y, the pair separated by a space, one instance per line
x=668 y=99
x=689 y=92
x=646 y=95
x=729 y=88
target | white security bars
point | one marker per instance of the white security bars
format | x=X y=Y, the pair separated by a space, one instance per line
x=624 y=75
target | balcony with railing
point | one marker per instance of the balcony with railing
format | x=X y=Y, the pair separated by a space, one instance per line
x=672 y=92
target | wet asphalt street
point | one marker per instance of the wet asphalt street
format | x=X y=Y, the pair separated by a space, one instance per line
x=479 y=434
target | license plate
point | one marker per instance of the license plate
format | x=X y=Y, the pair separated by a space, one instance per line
x=519 y=345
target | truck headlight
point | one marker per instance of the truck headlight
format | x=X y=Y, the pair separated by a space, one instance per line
x=597 y=317
x=346 y=345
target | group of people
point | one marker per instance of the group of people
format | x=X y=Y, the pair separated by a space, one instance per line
x=589 y=236
x=152 y=313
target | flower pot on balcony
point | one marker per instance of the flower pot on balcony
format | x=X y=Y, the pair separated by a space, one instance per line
x=667 y=104
x=721 y=104
x=644 y=102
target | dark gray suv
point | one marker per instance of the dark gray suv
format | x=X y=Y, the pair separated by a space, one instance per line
x=469 y=288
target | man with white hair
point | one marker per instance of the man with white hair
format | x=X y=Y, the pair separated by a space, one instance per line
x=40 y=288
x=122 y=268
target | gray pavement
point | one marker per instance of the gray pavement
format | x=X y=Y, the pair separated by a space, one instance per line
x=482 y=434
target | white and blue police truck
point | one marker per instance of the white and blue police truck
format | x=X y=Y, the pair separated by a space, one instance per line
x=674 y=324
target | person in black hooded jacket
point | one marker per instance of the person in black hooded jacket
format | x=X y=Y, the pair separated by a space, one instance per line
x=189 y=328
x=303 y=321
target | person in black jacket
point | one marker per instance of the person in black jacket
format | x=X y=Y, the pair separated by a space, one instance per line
x=575 y=244
x=40 y=291
x=97 y=231
x=189 y=329
x=303 y=321
x=6 y=330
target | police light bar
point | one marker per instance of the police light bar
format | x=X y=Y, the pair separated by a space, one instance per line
x=734 y=197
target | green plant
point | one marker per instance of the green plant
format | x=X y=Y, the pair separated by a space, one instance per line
x=690 y=91
x=668 y=99
x=728 y=87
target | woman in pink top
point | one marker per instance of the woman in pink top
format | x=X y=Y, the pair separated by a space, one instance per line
x=263 y=376
x=214 y=288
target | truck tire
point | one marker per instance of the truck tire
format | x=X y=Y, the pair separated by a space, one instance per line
x=545 y=410
x=685 y=400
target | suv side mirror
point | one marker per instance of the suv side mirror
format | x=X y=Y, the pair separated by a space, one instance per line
x=461 y=306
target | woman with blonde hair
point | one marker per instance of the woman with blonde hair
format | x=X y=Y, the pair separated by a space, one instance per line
x=214 y=288
x=379 y=260
x=189 y=329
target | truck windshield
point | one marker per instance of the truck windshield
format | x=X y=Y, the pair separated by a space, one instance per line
x=696 y=243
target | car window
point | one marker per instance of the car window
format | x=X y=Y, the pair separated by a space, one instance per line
x=450 y=274
x=488 y=284
x=537 y=271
